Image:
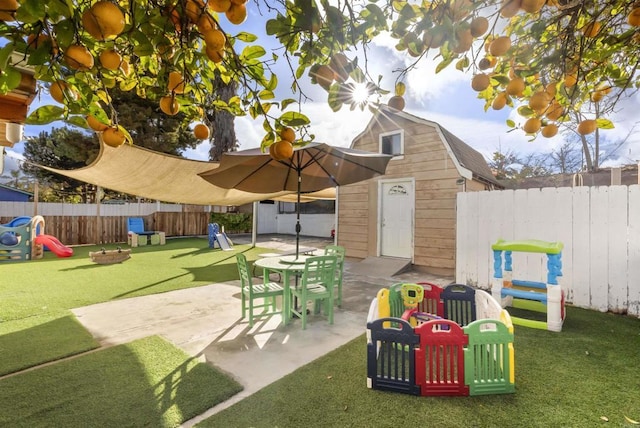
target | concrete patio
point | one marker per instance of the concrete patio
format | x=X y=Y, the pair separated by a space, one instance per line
x=206 y=322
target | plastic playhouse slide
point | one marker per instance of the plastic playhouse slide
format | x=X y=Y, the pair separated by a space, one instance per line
x=55 y=246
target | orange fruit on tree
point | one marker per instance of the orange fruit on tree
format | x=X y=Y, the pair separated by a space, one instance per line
x=532 y=125
x=532 y=6
x=500 y=101
x=194 y=10
x=282 y=150
x=215 y=39
x=201 y=131
x=515 y=87
x=206 y=23
x=8 y=10
x=539 y=101
x=549 y=130
x=237 y=13
x=596 y=96
x=219 y=5
x=396 y=102
x=110 y=59
x=324 y=76
x=241 y=2
x=570 y=80
x=587 y=126
x=169 y=105
x=634 y=17
x=124 y=66
x=34 y=41
x=555 y=111
x=78 y=57
x=604 y=87
x=591 y=29
x=95 y=124
x=339 y=64
x=176 y=82
x=551 y=88
x=480 y=82
x=464 y=41
x=61 y=91
x=433 y=39
x=103 y=20
x=113 y=136
x=288 y=134
x=509 y=8
x=479 y=26
x=500 y=46
x=215 y=55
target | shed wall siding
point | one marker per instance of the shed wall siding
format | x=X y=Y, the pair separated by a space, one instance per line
x=427 y=160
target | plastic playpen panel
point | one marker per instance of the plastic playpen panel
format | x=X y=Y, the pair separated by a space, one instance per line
x=459 y=303
x=488 y=358
x=440 y=358
x=390 y=357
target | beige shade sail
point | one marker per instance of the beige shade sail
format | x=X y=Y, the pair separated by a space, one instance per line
x=148 y=174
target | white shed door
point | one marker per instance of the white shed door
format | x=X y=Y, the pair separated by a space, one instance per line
x=396 y=223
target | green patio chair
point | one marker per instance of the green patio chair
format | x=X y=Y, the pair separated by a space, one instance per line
x=316 y=285
x=267 y=291
x=339 y=252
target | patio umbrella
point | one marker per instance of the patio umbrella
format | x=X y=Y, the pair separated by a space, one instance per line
x=311 y=168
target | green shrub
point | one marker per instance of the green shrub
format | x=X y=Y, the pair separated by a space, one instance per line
x=233 y=222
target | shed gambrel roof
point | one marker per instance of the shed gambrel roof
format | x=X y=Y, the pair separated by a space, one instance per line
x=469 y=162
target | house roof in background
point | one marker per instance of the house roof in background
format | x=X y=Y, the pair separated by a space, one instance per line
x=463 y=154
x=602 y=177
x=13 y=189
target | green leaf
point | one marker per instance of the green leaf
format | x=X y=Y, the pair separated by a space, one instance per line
x=9 y=80
x=525 y=111
x=246 y=37
x=266 y=95
x=78 y=121
x=5 y=54
x=286 y=103
x=443 y=64
x=44 y=115
x=31 y=11
x=273 y=83
x=65 y=32
x=604 y=123
x=253 y=52
x=462 y=63
x=511 y=123
x=293 y=118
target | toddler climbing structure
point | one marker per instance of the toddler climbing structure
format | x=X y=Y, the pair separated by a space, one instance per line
x=426 y=340
x=546 y=297
x=23 y=238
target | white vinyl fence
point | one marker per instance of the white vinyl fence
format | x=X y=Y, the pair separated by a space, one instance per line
x=18 y=209
x=599 y=227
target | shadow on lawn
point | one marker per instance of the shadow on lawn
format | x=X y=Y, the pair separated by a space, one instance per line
x=44 y=342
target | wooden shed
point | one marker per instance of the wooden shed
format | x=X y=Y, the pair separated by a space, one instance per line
x=410 y=213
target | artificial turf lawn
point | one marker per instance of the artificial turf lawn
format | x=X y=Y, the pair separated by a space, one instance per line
x=36 y=325
x=589 y=371
x=52 y=284
x=148 y=382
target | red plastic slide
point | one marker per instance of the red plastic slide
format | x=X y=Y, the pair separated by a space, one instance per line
x=55 y=246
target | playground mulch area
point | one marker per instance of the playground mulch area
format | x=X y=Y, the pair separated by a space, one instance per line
x=587 y=375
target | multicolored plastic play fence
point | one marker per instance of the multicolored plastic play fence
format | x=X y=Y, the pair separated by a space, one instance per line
x=428 y=340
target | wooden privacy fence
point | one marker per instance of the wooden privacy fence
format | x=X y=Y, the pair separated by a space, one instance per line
x=75 y=230
x=599 y=227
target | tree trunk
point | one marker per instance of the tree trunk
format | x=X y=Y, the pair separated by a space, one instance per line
x=224 y=134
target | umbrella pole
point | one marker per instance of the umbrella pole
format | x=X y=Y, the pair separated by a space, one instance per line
x=298 y=228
